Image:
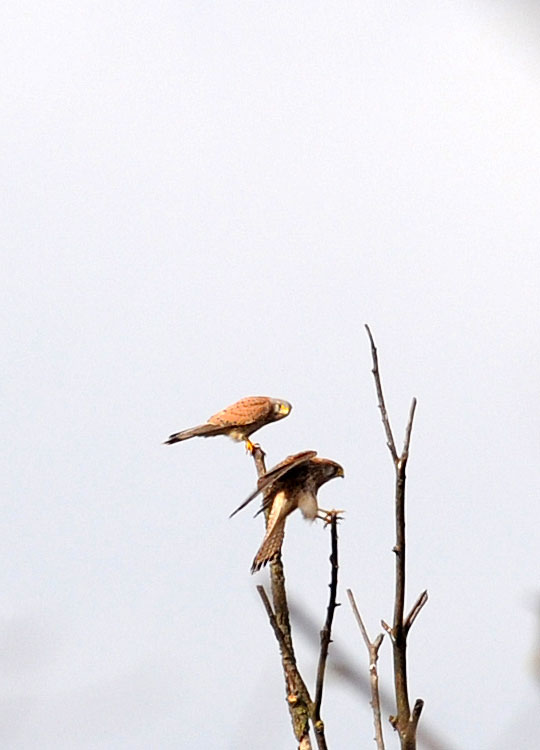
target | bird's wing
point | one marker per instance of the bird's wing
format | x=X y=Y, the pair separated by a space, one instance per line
x=245 y=411
x=268 y=479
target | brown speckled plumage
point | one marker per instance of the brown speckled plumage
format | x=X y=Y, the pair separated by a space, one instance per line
x=291 y=484
x=238 y=421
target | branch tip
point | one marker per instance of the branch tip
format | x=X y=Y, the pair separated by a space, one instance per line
x=380 y=399
x=415 y=610
x=408 y=431
x=417 y=710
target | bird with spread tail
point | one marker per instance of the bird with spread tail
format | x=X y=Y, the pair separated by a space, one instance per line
x=291 y=484
x=238 y=421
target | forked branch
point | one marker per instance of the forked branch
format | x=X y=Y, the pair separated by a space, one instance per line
x=373 y=651
x=404 y=722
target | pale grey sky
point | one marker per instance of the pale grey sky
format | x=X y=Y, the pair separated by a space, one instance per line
x=208 y=200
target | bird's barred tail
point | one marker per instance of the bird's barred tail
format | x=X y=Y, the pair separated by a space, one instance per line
x=203 y=430
x=270 y=547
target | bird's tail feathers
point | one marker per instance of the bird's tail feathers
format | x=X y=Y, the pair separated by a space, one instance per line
x=270 y=547
x=203 y=430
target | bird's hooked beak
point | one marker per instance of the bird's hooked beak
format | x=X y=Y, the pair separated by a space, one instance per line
x=283 y=408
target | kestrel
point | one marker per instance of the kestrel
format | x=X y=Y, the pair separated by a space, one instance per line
x=238 y=421
x=291 y=484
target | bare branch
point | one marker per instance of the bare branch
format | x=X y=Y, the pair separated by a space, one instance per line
x=342 y=666
x=273 y=622
x=384 y=414
x=399 y=637
x=402 y=722
x=298 y=698
x=301 y=708
x=373 y=650
x=358 y=618
x=326 y=632
x=294 y=678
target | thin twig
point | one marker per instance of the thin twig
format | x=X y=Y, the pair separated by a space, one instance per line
x=358 y=617
x=373 y=650
x=408 y=431
x=382 y=406
x=326 y=632
x=415 y=610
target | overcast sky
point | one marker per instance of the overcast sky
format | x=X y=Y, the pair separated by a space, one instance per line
x=204 y=201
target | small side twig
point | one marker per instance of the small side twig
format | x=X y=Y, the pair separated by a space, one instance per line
x=373 y=650
x=415 y=610
x=293 y=676
x=326 y=632
x=408 y=430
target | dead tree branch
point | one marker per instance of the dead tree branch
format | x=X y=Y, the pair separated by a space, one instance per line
x=404 y=722
x=295 y=684
x=301 y=708
x=373 y=650
x=342 y=667
x=326 y=632
x=298 y=699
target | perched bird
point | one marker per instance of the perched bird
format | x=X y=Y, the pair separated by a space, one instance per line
x=291 y=484
x=238 y=421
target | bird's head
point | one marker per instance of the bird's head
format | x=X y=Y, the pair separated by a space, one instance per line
x=328 y=469
x=281 y=408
